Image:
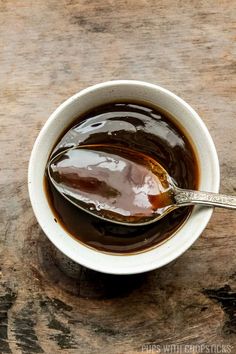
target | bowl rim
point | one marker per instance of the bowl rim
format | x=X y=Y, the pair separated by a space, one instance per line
x=96 y=263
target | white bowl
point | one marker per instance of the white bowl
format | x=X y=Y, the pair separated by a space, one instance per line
x=62 y=117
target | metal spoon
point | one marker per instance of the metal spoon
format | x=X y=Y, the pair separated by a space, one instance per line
x=123 y=186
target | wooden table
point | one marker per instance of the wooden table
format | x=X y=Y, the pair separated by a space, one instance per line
x=50 y=50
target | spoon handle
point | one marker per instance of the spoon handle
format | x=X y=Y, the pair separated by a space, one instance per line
x=190 y=197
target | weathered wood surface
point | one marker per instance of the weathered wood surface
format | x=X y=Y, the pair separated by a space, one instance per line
x=50 y=50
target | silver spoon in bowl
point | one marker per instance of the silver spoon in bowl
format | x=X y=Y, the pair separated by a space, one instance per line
x=122 y=186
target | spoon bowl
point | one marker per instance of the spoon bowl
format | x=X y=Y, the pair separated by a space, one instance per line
x=123 y=187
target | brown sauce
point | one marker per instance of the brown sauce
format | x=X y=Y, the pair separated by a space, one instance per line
x=142 y=129
x=113 y=182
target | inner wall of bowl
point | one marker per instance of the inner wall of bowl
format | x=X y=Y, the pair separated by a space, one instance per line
x=63 y=117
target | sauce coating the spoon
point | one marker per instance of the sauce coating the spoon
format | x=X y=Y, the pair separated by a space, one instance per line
x=113 y=182
x=142 y=128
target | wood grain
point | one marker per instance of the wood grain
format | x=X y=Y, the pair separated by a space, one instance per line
x=50 y=50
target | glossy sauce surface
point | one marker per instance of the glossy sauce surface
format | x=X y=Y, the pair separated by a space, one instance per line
x=112 y=182
x=140 y=128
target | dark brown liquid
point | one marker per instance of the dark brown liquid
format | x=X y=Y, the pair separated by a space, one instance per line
x=113 y=182
x=142 y=129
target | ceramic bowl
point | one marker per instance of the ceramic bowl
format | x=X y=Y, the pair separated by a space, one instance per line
x=80 y=103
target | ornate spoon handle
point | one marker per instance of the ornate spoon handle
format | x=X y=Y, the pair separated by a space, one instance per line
x=189 y=197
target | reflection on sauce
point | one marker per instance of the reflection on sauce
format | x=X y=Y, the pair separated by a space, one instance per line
x=139 y=128
x=113 y=182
